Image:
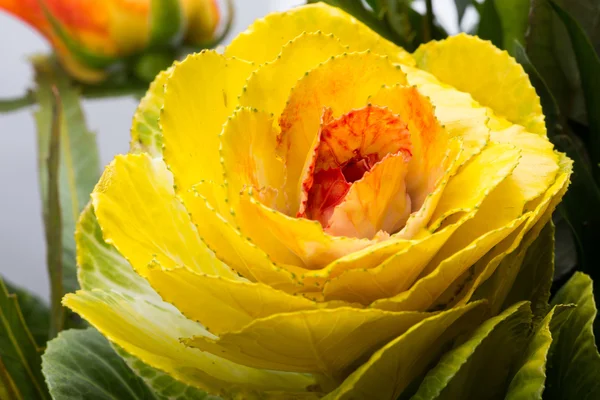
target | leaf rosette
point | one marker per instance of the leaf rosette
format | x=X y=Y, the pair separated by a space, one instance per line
x=315 y=210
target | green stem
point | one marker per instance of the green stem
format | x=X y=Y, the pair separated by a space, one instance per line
x=428 y=28
x=54 y=221
x=14 y=104
x=89 y=92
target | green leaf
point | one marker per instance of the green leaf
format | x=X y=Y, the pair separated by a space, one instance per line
x=550 y=50
x=35 y=313
x=581 y=204
x=391 y=369
x=162 y=384
x=530 y=378
x=589 y=72
x=490 y=26
x=466 y=372
x=357 y=9
x=574 y=366
x=20 y=357
x=103 y=267
x=583 y=197
x=79 y=168
x=503 y=285
x=534 y=279
x=81 y=364
x=146 y=136
x=549 y=105
x=395 y=20
x=514 y=19
x=461 y=7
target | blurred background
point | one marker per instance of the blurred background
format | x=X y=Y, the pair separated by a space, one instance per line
x=22 y=247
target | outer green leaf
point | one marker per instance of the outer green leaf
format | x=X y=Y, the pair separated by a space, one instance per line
x=583 y=197
x=145 y=131
x=549 y=105
x=391 y=369
x=586 y=13
x=162 y=384
x=80 y=364
x=499 y=286
x=550 y=50
x=395 y=20
x=529 y=381
x=461 y=7
x=589 y=71
x=490 y=26
x=574 y=366
x=513 y=16
x=35 y=313
x=79 y=161
x=20 y=361
x=534 y=279
x=101 y=266
x=466 y=371
x=581 y=204
x=357 y=9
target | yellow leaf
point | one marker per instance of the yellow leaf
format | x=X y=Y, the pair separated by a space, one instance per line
x=263 y=40
x=290 y=240
x=342 y=83
x=326 y=341
x=230 y=245
x=376 y=202
x=221 y=304
x=429 y=141
x=391 y=369
x=140 y=215
x=474 y=181
x=248 y=143
x=151 y=332
x=490 y=75
x=269 y=86
x=200 y=94
x=427 y=289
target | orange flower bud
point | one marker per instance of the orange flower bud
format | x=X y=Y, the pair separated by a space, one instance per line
x=91 y=37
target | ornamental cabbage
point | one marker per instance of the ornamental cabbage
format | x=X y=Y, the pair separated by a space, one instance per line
x=316 y=212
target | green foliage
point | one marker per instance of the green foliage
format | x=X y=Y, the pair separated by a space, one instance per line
x=465 y=371
x=530 y=378
x=162 y=384
x=79 y=165
x=395 y=20
x=36 y=313
x=574 y=365
x=20 y=357
x=562 y=60
x=103 y=267
x=69 y=168
x=81 y=364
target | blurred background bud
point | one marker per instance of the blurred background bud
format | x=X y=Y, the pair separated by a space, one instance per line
x=94 y=38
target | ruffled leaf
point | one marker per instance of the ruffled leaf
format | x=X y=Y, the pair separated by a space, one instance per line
x=391 y=369
x=20 y=357
x=512 y=96
x=263 y=40
x=529 y=381
x=466 y=372
x=81 y=364
x=574 y=362
x=146 y=135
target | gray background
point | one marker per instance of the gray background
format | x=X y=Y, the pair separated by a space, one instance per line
x=22 y=249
